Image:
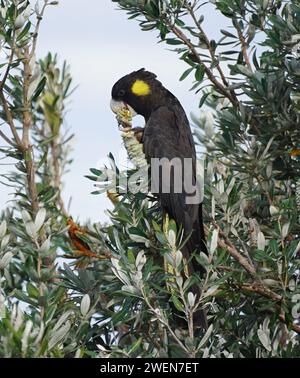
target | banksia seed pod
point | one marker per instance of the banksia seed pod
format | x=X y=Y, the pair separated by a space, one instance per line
x=134 y=149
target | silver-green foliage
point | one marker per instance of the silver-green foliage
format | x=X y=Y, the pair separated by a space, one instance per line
x=129 y=304
x=248 y=82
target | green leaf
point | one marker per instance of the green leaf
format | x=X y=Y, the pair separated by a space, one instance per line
x=96 y=172
x=203 y=99
x=255 y=61
x=177 y=303
x=228 y=34
x=32 y=290
x=43 y=160
x=23 y=297
x=199 y=74
x=173 y=41
x=172 y=226
x=39 y=89
x=135 y=346
x=24 y=31
x=92 y=178
x=130 y=256
x=186 y=73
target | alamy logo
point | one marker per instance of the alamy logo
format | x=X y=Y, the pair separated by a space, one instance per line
x=176 y=176
x=161 y=176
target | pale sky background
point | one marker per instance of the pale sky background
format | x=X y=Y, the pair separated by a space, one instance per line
x=101 y=45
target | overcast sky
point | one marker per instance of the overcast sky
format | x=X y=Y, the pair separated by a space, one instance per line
x=101 y=46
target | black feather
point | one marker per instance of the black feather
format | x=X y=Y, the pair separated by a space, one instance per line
x=167 y=134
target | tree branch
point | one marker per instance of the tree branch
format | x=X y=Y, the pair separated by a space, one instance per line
x=203 y=34
x=293 y=326
x=262 y=290
x=220 y=87
x=244 y=47
x=27 y=123
x=257 y=287
x=10 y=120
x=226 y=244
x=265 y=292
x=164 y=322
x=2 y=82
x=37 y=27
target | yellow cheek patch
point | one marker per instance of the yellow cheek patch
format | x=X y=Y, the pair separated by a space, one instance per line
x=140 y=88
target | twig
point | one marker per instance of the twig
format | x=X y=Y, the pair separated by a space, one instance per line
x=228 y=269
x=207 y=42
x=27 y=123
x=10 y=121
x=189 y=313
x=257 y=287
x=265 y=292
x=262 y=290
x=226 y=244
x=8 y=66
x=37 y=27
x=244 y=46
x=164 y=322
x=267 y=194
x=293 y=326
